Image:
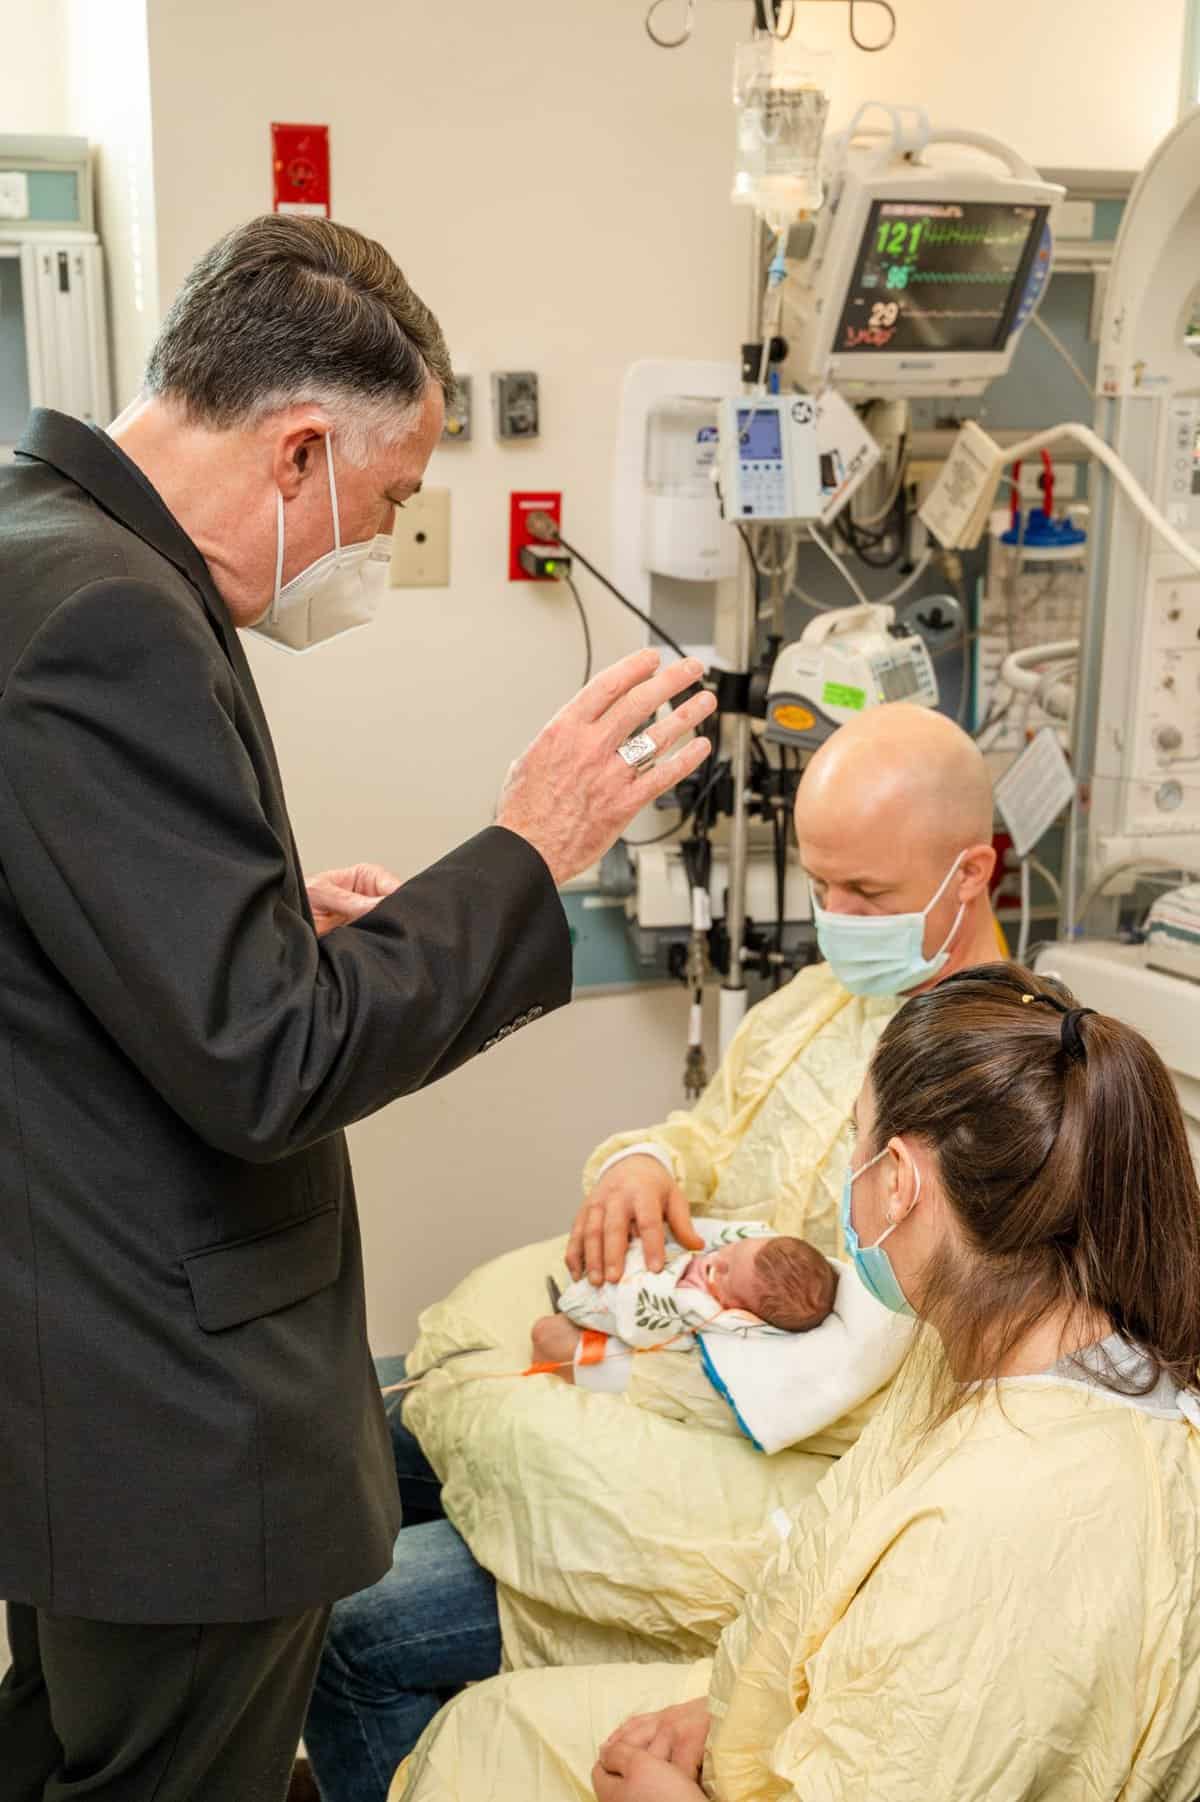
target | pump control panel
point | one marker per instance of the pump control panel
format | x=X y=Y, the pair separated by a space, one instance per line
x=770 y=465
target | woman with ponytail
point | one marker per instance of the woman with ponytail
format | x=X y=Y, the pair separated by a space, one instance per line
x=995 y=1596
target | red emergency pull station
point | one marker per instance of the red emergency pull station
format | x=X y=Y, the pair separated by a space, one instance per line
x=300 y=169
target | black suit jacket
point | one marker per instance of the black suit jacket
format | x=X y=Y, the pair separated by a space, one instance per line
x=189 y=1425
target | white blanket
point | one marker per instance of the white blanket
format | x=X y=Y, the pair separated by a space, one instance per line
x=788 y=1387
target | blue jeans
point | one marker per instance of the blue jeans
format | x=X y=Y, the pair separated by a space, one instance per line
x=396 y=1652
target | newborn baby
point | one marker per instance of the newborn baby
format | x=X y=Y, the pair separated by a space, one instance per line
x=779 y=1281
x=748 y=1280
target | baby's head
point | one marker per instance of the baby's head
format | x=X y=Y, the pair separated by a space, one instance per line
x=785 y=1281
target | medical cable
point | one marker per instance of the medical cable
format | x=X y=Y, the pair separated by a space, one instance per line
x=1031 y=866
x=742 y=533
x=1023 y=934
x=545 y=528
x=1057 y=344
x=567 y=580
x=877 y=549
x=910 y=581
x=881 y=513
x=1047 y=876
x=779 y=828
x=721 y=769
x=1128 y=483
x=839 y=565
x=531 y=1370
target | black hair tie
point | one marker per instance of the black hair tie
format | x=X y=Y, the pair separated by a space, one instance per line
x=1072 y=1038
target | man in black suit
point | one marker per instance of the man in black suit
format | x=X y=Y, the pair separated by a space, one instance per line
x=194 y=1461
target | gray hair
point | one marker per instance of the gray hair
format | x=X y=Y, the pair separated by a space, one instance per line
x=286 y=311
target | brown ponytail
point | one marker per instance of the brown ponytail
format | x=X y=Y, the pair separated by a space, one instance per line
x=1061 y=1148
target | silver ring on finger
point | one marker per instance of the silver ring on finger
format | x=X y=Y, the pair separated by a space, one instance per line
x=638 y=750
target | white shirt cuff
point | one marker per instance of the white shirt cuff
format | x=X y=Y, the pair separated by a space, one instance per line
x=646 y=1149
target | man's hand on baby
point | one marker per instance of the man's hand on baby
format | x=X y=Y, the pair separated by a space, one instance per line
x=554 y=1341
x=677 y=1735
x=633 y=1199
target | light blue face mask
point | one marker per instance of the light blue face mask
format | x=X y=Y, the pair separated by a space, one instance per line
x=871 y=1261
x=883 y=954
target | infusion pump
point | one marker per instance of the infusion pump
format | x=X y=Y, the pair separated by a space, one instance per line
x=769 y=463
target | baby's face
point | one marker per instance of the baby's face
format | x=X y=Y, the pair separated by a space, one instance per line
x=729 y=1274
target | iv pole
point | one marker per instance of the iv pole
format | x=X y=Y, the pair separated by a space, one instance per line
x=732 y=1000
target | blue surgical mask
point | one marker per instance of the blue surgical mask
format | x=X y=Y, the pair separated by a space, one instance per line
x=883 y=954
x=872 y=1263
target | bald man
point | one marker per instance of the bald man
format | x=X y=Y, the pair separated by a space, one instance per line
x=893 y=819
x=561 y=1526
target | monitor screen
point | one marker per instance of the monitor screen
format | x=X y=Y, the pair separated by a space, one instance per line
x=939 y=276
x=758 y=435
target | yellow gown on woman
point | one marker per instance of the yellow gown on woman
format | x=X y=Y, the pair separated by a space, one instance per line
x=1003 y=1609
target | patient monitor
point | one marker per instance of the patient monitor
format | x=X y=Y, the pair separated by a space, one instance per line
x=918 y=274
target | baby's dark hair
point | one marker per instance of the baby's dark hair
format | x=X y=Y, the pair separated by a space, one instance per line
x=796 y=1284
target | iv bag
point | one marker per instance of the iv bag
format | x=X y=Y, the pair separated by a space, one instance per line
x=781 y=100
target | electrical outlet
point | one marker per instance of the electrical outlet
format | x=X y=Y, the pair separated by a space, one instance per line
x=515 y=397
x=457 y=426
x=520 y=507
x=421 y=541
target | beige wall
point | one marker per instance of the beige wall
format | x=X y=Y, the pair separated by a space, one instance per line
x=557 y=189
x=1071 y=84
x=107 y=83
x=33 y=87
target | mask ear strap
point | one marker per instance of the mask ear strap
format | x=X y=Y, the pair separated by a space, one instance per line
x=958 y=918
x=274 y=613
x=946 y=881
x=337 y=526
x=916 y=1170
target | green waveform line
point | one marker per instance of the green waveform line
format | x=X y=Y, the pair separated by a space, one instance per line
x=969 y=234
x=954 y=278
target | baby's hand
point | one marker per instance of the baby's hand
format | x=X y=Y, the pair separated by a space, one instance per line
x=554 y=1341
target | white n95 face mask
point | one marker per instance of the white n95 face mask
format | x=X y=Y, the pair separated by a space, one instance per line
x=338 y=593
